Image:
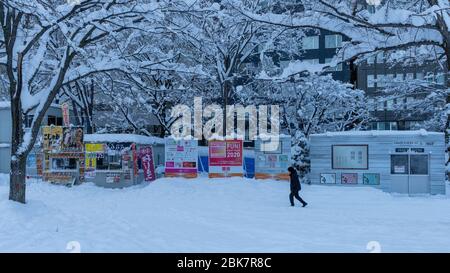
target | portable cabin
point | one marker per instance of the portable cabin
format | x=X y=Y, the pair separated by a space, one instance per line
x=409 y=162
x=117 y=160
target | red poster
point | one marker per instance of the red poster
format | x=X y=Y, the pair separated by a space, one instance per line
x=225 y=153
x=146 y=155
x=65 y=113
x=135 y=165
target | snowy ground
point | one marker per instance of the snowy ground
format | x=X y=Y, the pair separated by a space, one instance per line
x=223 y=215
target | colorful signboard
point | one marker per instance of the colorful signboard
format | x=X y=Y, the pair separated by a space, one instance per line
x=181 y=158
x=349 y=178
x=148 y=166
x=328 y=178
x=72 y=139
x=371 y=179
x=273 y=164
x=39 y=163
x=225 y=158
x=52 y=138
x=93 y=151
x=63 y=150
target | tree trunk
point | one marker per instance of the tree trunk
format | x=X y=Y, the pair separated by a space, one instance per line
x=226 y=93
x=17 y=179
x=17 y=182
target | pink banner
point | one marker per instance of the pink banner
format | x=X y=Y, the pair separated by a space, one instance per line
x=146 y=155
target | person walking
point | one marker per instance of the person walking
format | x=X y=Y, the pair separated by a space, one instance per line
x=295 y=187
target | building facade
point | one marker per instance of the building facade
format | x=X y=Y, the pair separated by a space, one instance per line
x=395 y=112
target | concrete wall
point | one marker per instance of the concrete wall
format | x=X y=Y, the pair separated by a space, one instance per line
x=380 y=148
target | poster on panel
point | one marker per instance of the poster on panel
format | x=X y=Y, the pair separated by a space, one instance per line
x=273 y=164
x=181 y=158
x=225 y=158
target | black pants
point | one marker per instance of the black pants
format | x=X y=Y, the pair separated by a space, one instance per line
x=295 y=194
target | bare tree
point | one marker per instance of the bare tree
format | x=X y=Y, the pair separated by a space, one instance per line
x=45 y=45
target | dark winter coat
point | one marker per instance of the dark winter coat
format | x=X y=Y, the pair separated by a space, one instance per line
x=295 y=182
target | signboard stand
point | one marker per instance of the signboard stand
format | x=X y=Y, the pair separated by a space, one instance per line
x=273 y=164
x=181 y=158
x=225 y=158
x=63 y=155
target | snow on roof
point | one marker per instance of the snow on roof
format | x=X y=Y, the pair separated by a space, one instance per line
x=115 y=138
x=421 y=132
x=5 y=104
x=4 y=145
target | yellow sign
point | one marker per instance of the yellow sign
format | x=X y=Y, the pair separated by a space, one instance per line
x=94 y=148
x=91 y=155
x=91 y=161
x=52 y=137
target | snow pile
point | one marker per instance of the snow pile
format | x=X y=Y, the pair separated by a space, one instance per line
x=221 y=215
x=122 y=138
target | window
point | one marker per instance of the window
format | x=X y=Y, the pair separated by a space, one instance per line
x=64 y=164
x=53 y=120
x=419 y=164
x=350 y=157
x=393 y=125
x=399 y=164
x=310 y=42
x=385 y=126
x=419 y=76
x=409 y=102
x=371 y=59
x=338 y=67
x=390 y=104
x=380 y=105
x=333 y=41
x=371 y=104
x=389 y=79
x=399 y=77
x=440 y=79
x=109 y=161
x=411 y=125
x=381 y=80
x=311 y=61
x=380 y=57
x=370 y=81
x=409 y=76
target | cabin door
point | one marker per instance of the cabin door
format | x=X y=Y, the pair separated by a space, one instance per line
x=400 y=173
x=419 y=179
x=409 y=173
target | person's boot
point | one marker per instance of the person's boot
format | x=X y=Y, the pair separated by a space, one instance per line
x=304 y=204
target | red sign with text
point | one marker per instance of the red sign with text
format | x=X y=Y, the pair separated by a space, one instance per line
x=146 y=155
x=225 y=153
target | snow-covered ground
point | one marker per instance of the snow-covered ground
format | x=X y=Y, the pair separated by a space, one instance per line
x=222 y=215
